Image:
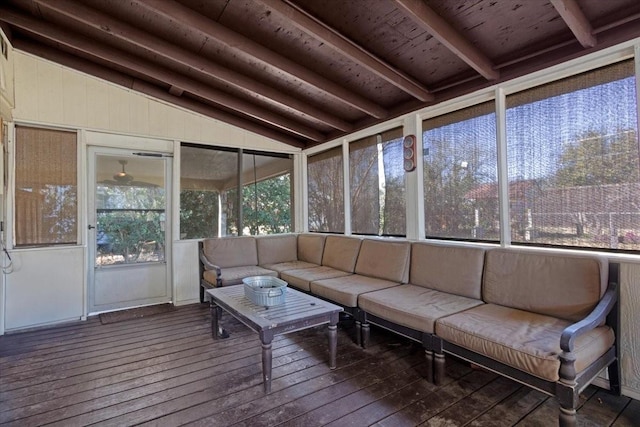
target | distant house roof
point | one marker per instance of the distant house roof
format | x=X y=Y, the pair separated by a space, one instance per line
x=517 y=190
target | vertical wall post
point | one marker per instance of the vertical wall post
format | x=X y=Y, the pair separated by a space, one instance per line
x=503 y=175
x=239 y=219
x=347 y=189
x=414 y=184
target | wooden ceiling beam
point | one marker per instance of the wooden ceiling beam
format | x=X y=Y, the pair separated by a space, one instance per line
x=576 y=21
x=177 y=81
x=310 y=25
x=435 y=25
x=237 y=42
x=101 y=22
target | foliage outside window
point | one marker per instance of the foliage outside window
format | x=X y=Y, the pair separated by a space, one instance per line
x=266 y=206
x=573 y=164
x=46 y=190
x=460 y=174
x=377 y=184
x=205 y=172
x=198 y=213
x=266 y=195
x=209 y=198
x=325 y=181
x=131 y=224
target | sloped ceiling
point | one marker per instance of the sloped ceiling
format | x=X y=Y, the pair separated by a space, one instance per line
x=307 y=71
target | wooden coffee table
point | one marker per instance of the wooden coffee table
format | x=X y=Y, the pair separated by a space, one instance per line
x=299 y=311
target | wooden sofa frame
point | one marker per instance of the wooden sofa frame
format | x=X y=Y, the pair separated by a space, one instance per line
x=203 y=283
x=566 y=390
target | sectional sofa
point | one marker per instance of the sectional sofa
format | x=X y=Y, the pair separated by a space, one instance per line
x=547 y=320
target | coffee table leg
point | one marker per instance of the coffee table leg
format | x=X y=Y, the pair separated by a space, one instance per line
x=215 y=315
x=266 y=361
x=333 y=343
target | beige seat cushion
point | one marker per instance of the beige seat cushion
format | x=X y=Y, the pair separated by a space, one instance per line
x=276 y=249
x=231 y=251
x=234 y=275
x=526 y=341
x=302 y=278
x=345 y=290
x=311 y=247
x=341 y=252
x=291 y=265
x=447 y=268
x=413 y=306
x=558 y=285
x=384 y=259
x=289 y=251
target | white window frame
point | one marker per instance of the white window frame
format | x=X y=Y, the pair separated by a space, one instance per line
x=412 y=123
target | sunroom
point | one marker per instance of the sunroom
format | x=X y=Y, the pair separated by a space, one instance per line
x=131 y=131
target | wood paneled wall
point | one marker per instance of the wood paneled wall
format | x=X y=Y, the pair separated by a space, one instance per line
x=630 y=328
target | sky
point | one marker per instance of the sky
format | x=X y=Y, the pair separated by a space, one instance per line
x=537 y=131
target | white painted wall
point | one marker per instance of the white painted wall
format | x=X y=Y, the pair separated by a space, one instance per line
x=630 y=332
x=50 y=285
x=51 y=94
x=186 y=272
x=7 y=100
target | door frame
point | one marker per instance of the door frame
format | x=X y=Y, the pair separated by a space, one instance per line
x=92 y=151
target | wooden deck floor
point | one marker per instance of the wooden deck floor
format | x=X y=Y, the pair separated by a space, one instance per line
x=165 y=370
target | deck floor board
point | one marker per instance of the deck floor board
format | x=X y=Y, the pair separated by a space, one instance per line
x=165 y=370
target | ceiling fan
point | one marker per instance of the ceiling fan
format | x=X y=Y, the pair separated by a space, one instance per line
x=122 y=178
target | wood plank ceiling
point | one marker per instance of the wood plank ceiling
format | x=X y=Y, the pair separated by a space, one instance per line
x=307 y=71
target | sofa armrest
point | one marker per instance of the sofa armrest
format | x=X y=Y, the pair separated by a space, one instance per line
x=209 y=266
x=597 y=317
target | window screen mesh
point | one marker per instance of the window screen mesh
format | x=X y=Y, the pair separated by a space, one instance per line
x=377 y=184
x=266 y=194
x=210 y=204
x=460 y=174
x=325 y=180
x=573 y=161
x=203 y=172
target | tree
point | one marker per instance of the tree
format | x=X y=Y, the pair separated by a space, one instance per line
x=266 y=207
x=592 y=162
x=59 y=212
x=597 y=159
x=198 y=214
x=449 y=175
x=394 y=217
x=326 y=194
x=128 y=232
x=128 y=218
x=365 y=201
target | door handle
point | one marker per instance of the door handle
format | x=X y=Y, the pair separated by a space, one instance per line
x=91 y=227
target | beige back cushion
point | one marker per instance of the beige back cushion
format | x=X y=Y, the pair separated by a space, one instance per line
x=558 y=285
x=453 y=269
x=311 y=247
x=231 y=251
x=277 y=248
x=384 y=260
x=341 y=252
